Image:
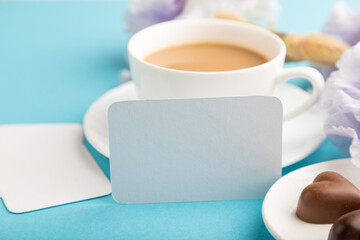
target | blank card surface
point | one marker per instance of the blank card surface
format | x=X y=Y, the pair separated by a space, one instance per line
x=194 y=149
x=45 y=165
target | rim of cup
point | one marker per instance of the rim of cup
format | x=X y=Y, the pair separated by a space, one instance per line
x=136 y=36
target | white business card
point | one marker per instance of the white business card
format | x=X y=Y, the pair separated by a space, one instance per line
x=194 y=149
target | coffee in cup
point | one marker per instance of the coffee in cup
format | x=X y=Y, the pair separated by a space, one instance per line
x=206 y=57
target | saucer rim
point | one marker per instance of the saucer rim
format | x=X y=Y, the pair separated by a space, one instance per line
x=101 y=147
x=269 y=224
x=89 y=135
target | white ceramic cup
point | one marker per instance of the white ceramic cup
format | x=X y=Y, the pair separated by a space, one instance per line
x=155 y=82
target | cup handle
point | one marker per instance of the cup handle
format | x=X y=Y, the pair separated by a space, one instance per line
x=313 y=76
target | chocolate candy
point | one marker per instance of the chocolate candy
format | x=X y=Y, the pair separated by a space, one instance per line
x=346 y=227
x=329 y=197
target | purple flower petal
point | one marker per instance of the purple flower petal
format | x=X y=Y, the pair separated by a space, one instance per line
x=344 y=23
x=143 y=13
x=341 y=102
x=324 y=70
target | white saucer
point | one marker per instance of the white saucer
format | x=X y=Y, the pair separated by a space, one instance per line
x=301 y=135
x=280 y=202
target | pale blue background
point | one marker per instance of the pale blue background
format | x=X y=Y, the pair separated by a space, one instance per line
x=56 y=58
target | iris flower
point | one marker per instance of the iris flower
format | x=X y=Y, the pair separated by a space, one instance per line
x=343 y=23
x=341 y=102
x=143 y=13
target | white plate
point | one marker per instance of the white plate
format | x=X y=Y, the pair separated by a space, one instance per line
x=281 y=200
x=301 y=135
